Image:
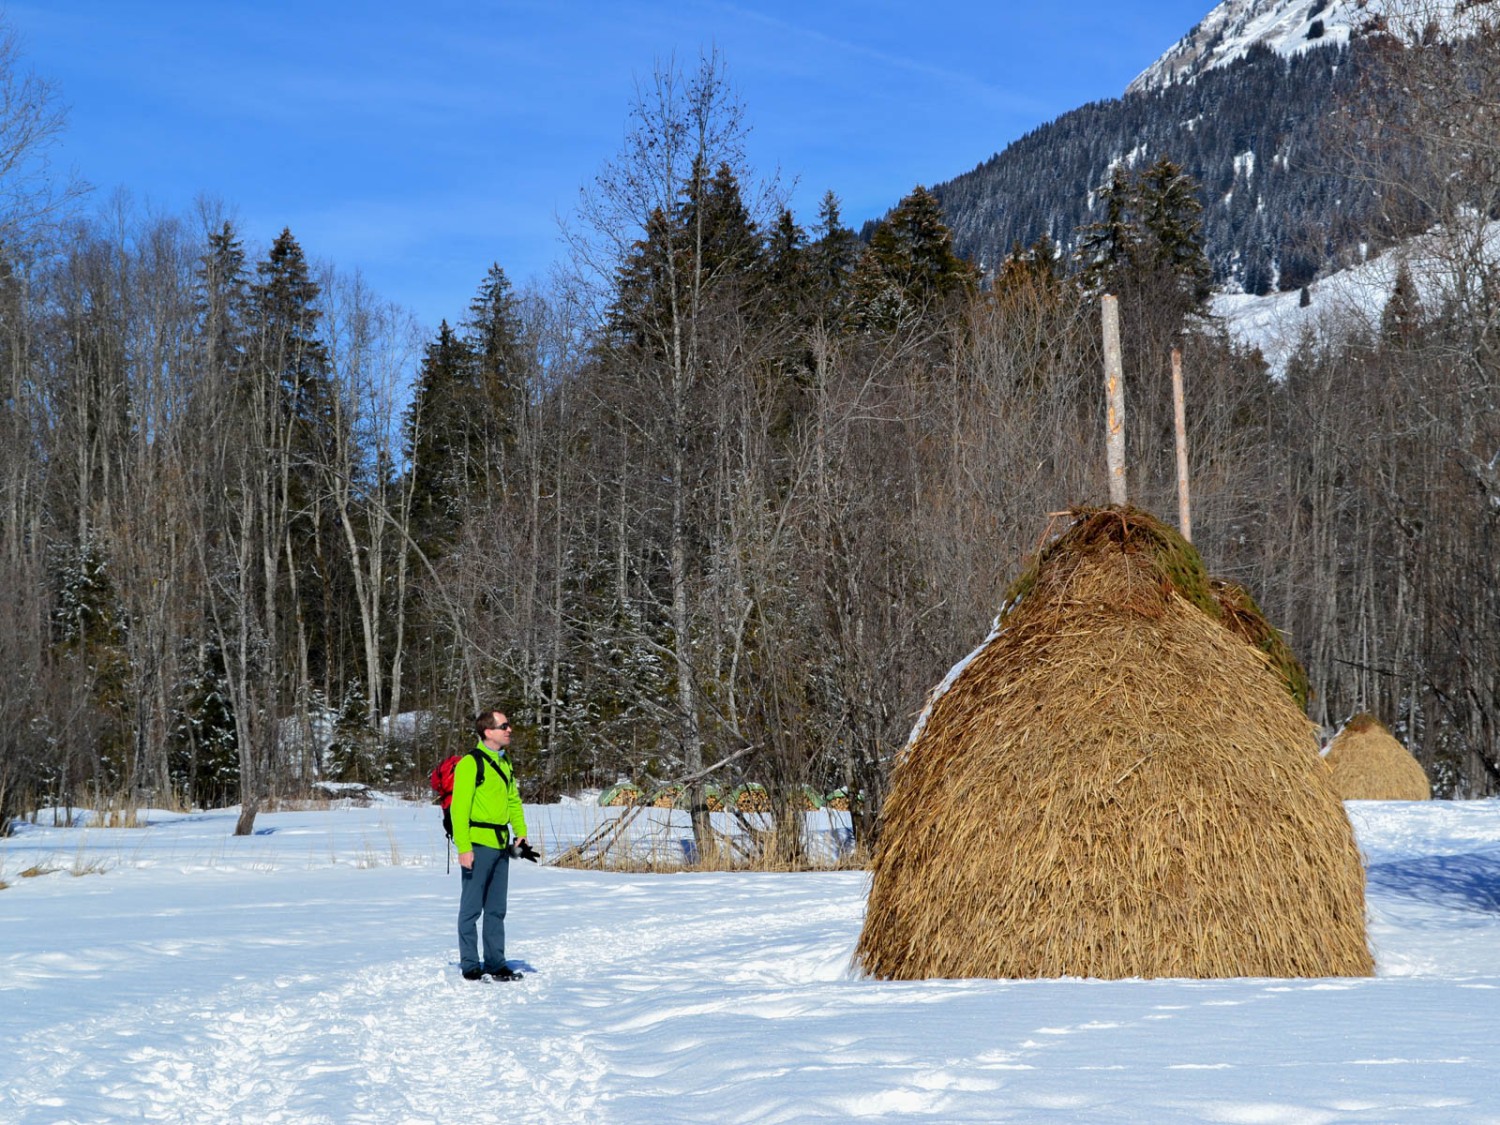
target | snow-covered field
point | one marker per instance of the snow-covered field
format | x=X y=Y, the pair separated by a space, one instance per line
x=307 y=974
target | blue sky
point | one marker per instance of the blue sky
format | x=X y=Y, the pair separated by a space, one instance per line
x=418 y=143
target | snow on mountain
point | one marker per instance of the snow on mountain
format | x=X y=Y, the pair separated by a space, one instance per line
x=1231 y=29
x=1353 y=300
x=1289 y=27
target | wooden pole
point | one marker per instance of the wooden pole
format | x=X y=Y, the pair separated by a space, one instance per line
x=1114 y=387
x=1184 y=508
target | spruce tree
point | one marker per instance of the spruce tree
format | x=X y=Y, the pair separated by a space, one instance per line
x=221 y=299
x=1108 y=249
x=910 y=267
x=288 y=348
x=292 y=361
x=786 y=272
x=1148 y=248
x=494 y=337
x=715 y=221
x=444 y=434
x=1171 y=220
x=832 y=259
x=705 y=248
x=1401 y=320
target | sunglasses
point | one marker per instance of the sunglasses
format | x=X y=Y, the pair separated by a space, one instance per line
x=502 y=726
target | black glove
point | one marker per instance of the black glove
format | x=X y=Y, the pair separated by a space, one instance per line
x=522 y=850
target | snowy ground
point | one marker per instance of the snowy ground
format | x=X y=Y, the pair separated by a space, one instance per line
x=307 y=974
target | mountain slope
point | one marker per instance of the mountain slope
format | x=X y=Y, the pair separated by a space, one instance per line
x=1255 y=103
x=1257 y=133
x=1233 y=29
x=1291 y=27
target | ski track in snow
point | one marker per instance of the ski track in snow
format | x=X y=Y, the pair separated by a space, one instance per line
x=255 y=1050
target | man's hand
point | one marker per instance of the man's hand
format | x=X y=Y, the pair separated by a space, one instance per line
x=466 y=859
x=528 y=852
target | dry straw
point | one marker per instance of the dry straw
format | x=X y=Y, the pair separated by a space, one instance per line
x=1370 y=765
x=1115 y=785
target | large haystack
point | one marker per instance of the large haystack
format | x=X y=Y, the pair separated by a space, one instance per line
x=1114 y=785
x=1370 y=765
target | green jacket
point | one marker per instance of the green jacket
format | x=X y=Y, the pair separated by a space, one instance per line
x=497 y=800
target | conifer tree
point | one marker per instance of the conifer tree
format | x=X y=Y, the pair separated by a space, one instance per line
x=243 y=538
x=706 y=242
x=910 y=267
x=221 y=300
x=786 y=272
x=1171 y=219
x=1108 y=250
x=713 y=215
x=1148 y=253
x=291 y=363
x=288 y=350
x=1148 y=248
x=444 y=433
x=89 y=628
x=1401 y=319
x=833 y=256
x=494 y=338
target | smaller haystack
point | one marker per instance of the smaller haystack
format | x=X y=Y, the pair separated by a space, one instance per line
x=1117 y=783
x=1370 y=765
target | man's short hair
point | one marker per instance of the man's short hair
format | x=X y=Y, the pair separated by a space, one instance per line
x=484 y=721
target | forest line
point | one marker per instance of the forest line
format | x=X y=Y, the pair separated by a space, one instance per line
x=730 y=490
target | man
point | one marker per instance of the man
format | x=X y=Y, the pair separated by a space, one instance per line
x=487 y=817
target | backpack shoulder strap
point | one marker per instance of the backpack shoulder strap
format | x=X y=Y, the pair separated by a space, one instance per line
x=479 y=757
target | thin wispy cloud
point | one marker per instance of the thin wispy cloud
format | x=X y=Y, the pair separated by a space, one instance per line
x=393 y=137
x=961 y=82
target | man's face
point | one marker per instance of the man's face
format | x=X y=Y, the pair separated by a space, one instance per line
x=500 y=732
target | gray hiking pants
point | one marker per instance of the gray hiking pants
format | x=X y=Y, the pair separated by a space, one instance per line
x=484 y=888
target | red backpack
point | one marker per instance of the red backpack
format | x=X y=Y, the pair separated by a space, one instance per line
x=441 y=780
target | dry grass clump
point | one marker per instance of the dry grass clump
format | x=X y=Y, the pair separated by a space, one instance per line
x=1114 y=786
x=625 y=845
x=1370 y=765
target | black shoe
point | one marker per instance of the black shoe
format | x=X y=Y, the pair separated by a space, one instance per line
x=473 y=974
x=503 y=973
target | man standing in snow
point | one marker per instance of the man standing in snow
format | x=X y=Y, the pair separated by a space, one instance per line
x=487 y=817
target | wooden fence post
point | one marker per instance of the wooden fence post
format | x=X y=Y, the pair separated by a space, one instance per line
x=1114 y=386
x=1184 y=508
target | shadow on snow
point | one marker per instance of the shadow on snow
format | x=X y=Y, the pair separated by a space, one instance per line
x=1470 y=881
